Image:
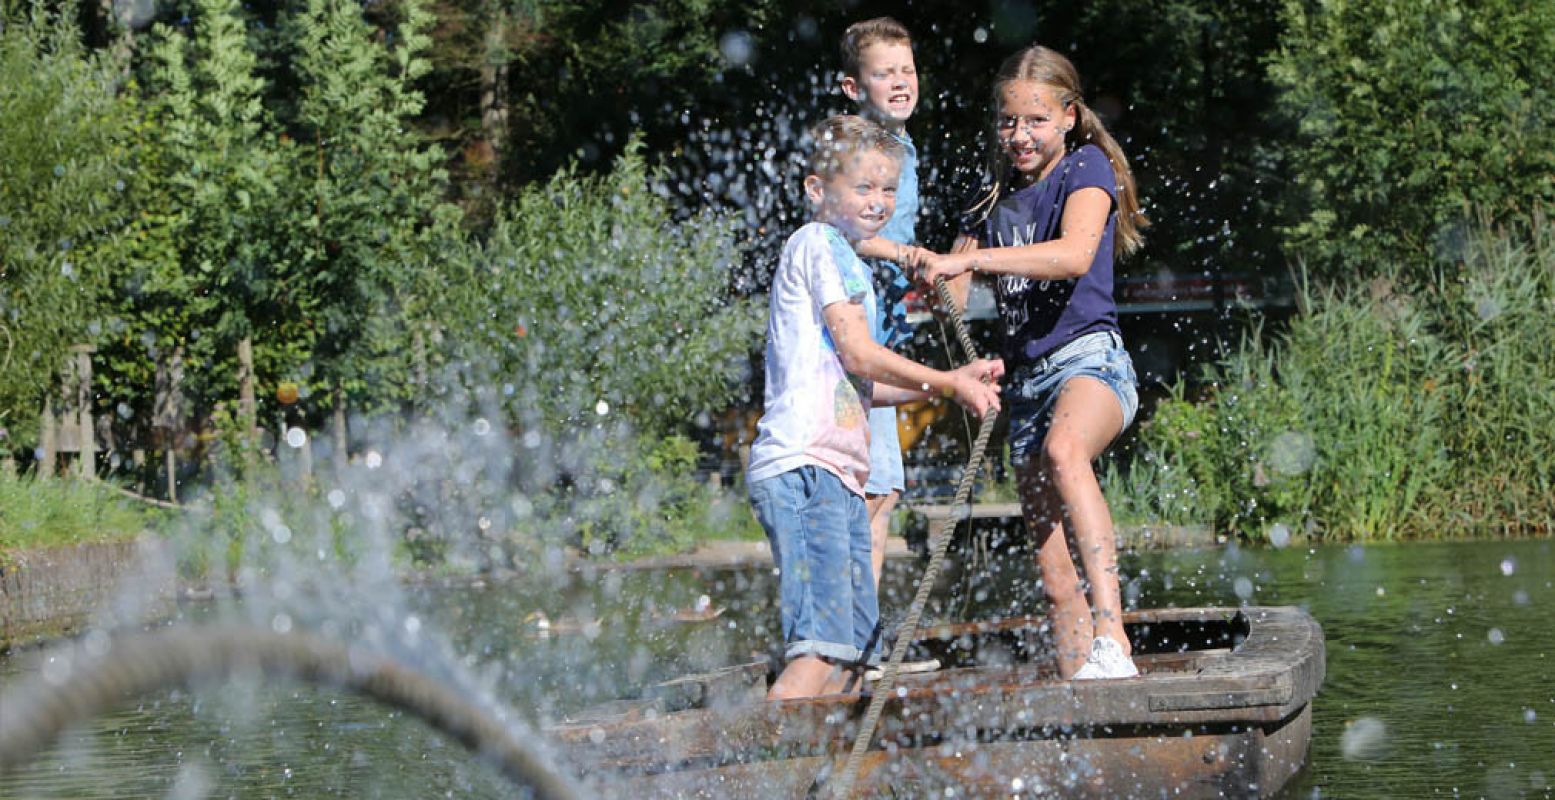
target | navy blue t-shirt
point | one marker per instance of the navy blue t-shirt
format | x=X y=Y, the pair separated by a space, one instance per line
x=1042 y=316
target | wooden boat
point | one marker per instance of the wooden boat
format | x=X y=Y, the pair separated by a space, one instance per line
x=1222 y=708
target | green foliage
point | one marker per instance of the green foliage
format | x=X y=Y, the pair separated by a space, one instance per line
x=370 y=234
x=60 y=184
x=1413 y=117
x=589 y=298
x=53 y=513
x=1380 y=414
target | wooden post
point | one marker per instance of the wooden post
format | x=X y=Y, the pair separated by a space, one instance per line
x=138 y=459
x=341 y=456
x=87 y=441
x=46 y=440
x=167 y=413
x=248 y=407
x=172 y=474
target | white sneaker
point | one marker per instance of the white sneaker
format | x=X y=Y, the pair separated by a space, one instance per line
x=1106 y=661
x=905 y=668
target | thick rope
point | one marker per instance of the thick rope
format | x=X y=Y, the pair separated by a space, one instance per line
x=939 y=542
x=37 y=711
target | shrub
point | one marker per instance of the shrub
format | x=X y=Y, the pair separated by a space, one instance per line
x=588 y=300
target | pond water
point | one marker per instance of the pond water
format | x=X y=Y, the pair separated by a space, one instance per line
x=1441 y=674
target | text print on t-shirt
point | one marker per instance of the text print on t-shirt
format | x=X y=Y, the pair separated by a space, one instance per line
x=1011 y=286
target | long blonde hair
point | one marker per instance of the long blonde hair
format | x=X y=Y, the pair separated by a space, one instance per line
x=1051 y=69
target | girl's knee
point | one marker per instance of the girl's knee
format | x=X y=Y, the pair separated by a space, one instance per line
x=1061 y=453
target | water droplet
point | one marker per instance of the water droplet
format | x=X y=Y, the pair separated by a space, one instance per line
x=602 y=408
x=296 y=437
x=531 y=439
x=1363 y=739
x=980 y=35
x=1508 y=566
x=1243 y=588
x=737 y=48
x=481 y=426
x=281 y=623
x=374 y=459
x=1496 y=636
x=412 y=624
x=281 y=534
x=1279 y=534
x=336 y=498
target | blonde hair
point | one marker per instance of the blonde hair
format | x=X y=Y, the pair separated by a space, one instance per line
x=860 y=35
x=1050 y=68
x=843 y=135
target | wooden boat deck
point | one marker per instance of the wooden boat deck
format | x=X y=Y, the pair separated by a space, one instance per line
x=1222 y=694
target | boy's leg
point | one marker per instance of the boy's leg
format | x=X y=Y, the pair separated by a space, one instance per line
x=806 y=513
x=863 y=586
x=887 y=478
x=880 y=508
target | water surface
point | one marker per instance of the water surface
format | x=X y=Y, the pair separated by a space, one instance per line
x=1440 y=676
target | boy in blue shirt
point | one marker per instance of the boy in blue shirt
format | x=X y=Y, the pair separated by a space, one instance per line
x=879 y=73
x=824 y=370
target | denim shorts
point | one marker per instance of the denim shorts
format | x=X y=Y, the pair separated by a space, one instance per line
x=820 y=542
x=1031 y=390
x=885 y=453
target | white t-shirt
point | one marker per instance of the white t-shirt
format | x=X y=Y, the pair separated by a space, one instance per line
x=815 y=412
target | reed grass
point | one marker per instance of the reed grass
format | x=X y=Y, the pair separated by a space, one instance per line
x=1384 y=411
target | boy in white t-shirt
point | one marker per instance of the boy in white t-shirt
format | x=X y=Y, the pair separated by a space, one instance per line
x=824 y=370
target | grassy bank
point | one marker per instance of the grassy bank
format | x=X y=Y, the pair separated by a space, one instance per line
x=1386 y=411
x=51 y=513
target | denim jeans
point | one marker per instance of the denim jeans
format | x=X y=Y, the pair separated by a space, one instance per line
x=1031 y=390
x=820 y=542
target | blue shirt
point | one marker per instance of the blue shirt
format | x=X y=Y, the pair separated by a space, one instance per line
x=902 y=229
x=1042 y=316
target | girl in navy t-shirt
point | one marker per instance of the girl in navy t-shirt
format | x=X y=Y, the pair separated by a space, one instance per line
x=1063 y=205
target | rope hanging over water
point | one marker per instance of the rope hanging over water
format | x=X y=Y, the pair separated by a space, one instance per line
x=37 y=711
x=939 y=542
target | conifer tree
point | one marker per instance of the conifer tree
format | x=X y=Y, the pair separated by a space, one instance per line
x=374 y=191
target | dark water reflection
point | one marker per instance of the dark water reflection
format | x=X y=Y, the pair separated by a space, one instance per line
x=1441 y=674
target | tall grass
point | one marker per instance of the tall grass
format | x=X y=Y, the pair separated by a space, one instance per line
x=1384 y=411
x=48 y=513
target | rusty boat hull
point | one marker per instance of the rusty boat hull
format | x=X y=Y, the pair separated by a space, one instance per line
x=1222 y=708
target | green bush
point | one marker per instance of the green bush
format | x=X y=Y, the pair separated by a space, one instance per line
x=1381 y=413
x=1411 y=116
x=588 y=300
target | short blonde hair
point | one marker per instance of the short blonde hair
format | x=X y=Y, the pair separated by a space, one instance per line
x=843 y=135
x=860 y=35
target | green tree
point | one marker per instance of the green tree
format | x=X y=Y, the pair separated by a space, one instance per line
x=61 y=122
x=212 y=171
x=375 y=213
x=1413 y=117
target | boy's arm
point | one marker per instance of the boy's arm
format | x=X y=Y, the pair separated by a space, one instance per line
x=861 y=356
x=888 y=395
x=881 y=247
